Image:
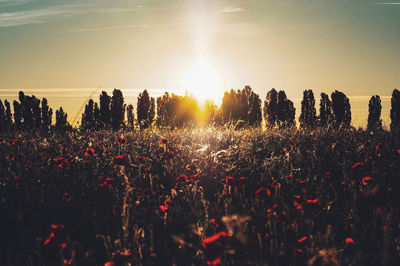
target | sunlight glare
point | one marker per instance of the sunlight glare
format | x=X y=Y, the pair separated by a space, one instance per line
x=203 y=81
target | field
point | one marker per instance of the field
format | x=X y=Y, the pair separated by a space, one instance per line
x=200 y=197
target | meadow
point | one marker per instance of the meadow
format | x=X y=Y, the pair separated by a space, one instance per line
x=200 y=197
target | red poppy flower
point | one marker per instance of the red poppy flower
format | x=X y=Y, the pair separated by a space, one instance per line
x=358 y=164
x=263 y=191
x=163 y=208
x=63 y=245
x=163 y=141
x=214 y=262
x=213 y=222
x=125 y=253
x=148 y=169
x=195 y=176
x=243 y=179
x=153 y=255
x=181 y=178
x=89 y=152
x=398 y=151
x=366 y=180
x=109 y=263
x=120 y=159
x=301 y=240
x=297 y=205
x=230 y=180
x=276 y=184
x=303 y=181
x=312 y=201
x=349 y=240
x=141 y=159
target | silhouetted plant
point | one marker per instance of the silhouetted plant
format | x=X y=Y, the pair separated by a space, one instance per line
x=176 y=111
x=325 y=111
x=96 y=116
x=254 y=111
x=145 y=110
x=242 y=105
x=395 y=111
x=286 y=111
x=271 y=108
x=105 y=111
x=36 y=111
x=210 y=113
x=88 y=121
x=130 y=116
x=47 y=114
x=341 y=110
x=61 y=119
x=308 y=116
x=8 y=116
x=117 y=109
x=374 y=116
x=2 y=117
x=17 y=115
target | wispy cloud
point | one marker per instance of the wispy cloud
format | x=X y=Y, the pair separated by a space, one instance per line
x=9 y=3
x=395 y=3
x=113 y=28
x=42 y=15
x=231 y=9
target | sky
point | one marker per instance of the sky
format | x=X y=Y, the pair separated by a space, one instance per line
x=68 y=50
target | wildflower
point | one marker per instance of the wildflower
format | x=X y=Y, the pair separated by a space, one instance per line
x=263 y=191
x=120 y=159
x=109 y=263
x=276 y=184
x=153 y=255
x=214 y=247
x=63 y=245
x=89 y=152
x=358 y=164
x=163 y=141
x=312 y=201
x=301 y=240
x=300 y=251
x=242 y=179
x=181 y=178
x=297 y=205
x=195 y=176
x=141 y=159
x=349 y=240
x=230 y=180
x=125 y=253
x=163 y=208
x=213 y=222
x=67 y=197
x=366 y=180
x=398 y=151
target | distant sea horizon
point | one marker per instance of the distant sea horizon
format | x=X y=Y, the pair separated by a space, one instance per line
x=73 y=101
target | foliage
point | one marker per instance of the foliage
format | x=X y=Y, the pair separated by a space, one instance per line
x=196 y=197
x=395 y=111
x=374 y=115
x=308 y=116
x=341 y=109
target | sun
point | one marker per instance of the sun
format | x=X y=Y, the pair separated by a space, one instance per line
x=203 y=81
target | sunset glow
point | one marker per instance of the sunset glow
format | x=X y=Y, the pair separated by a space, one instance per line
x=203 y=81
